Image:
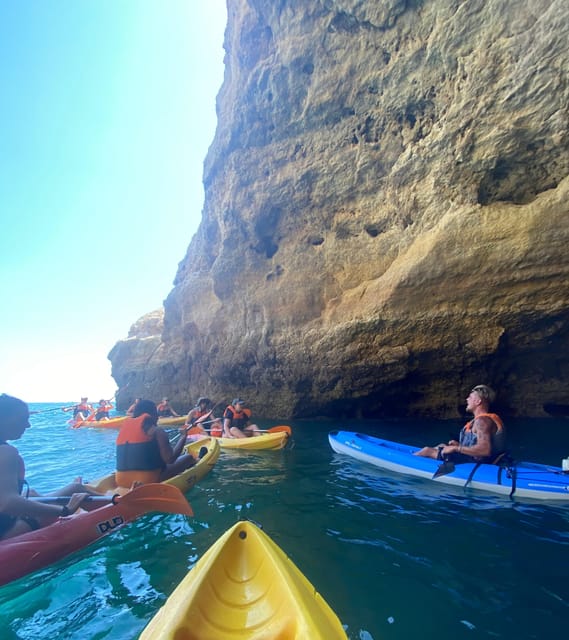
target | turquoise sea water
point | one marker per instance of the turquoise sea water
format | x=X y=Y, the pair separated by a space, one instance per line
x=395 y=557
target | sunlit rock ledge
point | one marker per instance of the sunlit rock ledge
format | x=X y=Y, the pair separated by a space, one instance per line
x=386 y=215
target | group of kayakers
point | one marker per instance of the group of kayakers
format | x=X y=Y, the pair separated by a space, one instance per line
x=144 y=453
x=85 y=412
x=235 y=421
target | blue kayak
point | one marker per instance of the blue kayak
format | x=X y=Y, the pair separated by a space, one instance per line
x=520 y=479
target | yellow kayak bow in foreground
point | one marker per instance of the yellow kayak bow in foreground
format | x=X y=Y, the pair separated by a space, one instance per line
x=245 y=588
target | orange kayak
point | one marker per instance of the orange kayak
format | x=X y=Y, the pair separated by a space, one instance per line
x=31 y=551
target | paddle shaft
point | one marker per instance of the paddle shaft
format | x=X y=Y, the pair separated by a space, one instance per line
x=65 y=499
x=148 y=497
x=48 y=410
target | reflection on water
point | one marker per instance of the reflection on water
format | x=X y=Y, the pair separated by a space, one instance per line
x=253 y=467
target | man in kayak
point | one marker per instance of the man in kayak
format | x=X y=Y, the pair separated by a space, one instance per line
x=236 y=419
x=165 y=410
x=480 y=440
x=144 y=453
x=81 y=411
x=18 y=514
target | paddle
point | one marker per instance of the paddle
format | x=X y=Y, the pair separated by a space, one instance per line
x=52 y=409
x=201 y=420
x=149 y=497
x=447 y=466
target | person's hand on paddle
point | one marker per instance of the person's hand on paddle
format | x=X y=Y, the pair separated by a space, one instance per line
x=73 y=504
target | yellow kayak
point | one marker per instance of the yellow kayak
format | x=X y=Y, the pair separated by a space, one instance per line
x=174 y=421
x=244 y=588
x=111 y=423
x=270 y=441
x=185 y=480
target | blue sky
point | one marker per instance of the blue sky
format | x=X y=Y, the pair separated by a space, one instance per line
x=107 y=112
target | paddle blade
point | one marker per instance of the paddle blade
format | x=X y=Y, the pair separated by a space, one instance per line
x=280 y=429
x=156 y=497
x=446 y=467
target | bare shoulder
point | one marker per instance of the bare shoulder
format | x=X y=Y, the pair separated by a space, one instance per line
x=8 y=453
x=484 y=424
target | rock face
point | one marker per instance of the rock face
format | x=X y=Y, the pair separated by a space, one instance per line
x=386 y=214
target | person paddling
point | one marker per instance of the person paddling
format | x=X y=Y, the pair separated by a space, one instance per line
x=203 y=413
x=482 y=439
x=102 y=410
x=81 y=411
x=144 y=453
x=18 y=514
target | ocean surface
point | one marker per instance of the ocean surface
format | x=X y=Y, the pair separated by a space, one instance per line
x=395 y=557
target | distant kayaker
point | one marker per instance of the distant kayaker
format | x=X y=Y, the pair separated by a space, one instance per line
x=203 y=413
x=102 y=410
x=482 y=439
x=165 y=410
x=144 y=453
x=130 y=410
x=81 y=411
x=235 y=421
x=18 y=514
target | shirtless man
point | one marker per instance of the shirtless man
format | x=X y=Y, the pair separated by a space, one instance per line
x=18 y=514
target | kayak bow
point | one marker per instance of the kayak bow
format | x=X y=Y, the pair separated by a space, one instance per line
x=244 y=588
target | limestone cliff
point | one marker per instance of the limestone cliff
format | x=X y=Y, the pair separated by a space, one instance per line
x=385 y=221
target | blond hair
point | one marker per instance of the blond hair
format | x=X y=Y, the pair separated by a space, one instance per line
x=485 y=392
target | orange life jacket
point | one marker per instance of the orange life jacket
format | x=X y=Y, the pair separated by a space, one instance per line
x=498 y=440
x=138 y=454
x=199 y=414
x=81 y=408
x=237 y=418
x=493 y=416
x=103 y=411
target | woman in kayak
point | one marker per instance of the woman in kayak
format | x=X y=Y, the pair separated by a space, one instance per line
x=18 y=514
x=144 y=453
x=480 y=440
x=202 y=413
x=102 y=410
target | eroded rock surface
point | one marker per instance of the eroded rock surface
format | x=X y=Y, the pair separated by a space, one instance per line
x=386 y=214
